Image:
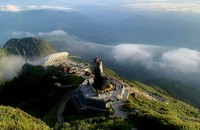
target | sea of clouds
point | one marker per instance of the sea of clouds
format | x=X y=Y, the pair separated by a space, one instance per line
x=160 y=61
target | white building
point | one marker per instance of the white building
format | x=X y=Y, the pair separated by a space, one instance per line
x=54 y=57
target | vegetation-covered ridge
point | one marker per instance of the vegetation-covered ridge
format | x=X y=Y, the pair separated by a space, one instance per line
x=16 y=119
x=177 y=89
x=3 y=53
x=33 y=47
x=150 y=114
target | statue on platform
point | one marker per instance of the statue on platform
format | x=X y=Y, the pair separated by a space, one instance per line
x=98 y=72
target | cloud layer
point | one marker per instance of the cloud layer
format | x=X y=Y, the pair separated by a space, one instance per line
x=145 y=5
x=15 y=8
x=162 y=61
x=134 y=53
x=10 y=67
x=158 y=60
x=166 y=60
x=193 y=7
x=181 y=60
x=53 y=33
x=9 y=8
x=34 y=7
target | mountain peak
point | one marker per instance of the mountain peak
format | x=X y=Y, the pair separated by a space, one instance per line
x=32 y=46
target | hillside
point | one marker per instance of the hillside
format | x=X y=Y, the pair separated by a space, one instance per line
x=165 y=114
x=16 y=119
x=178 y=90
x=33 y=47
x=2 y=53
x=35 y=92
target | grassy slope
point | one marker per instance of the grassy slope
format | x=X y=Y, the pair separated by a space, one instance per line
x=178 y=90
x=16 y=119
x=159 y=115
x=2 y=53
x=110 y=72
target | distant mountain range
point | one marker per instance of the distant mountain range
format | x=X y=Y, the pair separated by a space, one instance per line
x=48 y=20
x=106 y=26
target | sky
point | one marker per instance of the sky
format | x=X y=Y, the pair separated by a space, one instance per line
x=155 y=5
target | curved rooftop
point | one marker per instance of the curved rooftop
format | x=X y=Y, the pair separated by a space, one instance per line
x=55 y=57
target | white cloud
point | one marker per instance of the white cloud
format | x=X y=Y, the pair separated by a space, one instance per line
x=10 y=8
x=166 y=6
x=15 y=8
x=52 y=33
x=10 y=66
x=152 y=5
x=182 y=59
x=133 y=53
x=34 y=7
x=166 y=60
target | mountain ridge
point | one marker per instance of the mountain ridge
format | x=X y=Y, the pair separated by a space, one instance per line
x=177 y=89
x=29 y=46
